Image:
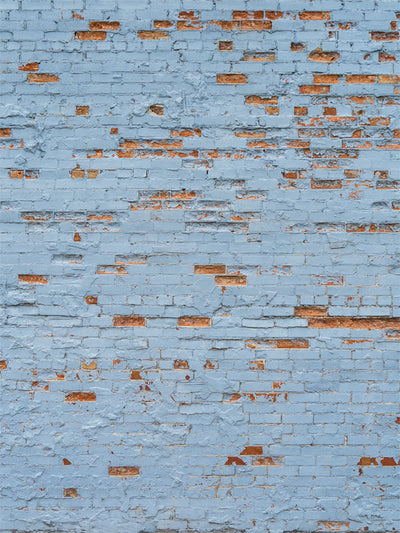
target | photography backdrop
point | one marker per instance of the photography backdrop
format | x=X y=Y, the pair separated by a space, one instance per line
x=200 y=204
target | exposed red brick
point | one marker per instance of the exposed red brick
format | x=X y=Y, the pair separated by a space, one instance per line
x=315 y=310
x=66 y=462
x=194 y=322
x=256 y=25
x=29 y=67
x=123 y=471
x=188 y=15
x=323 y=57
x=327 y=184
x=32 y=278
x=388 y=461
x=320 y=79
x=314 y=89
x=77 y=173
x=210 y=269
x=186 y=133
x=314 y=15
x=81 y=397
x=300 y=111
x=259 y=100
x=252 y=450
x=354 y=322
x=3 y=364
x=225 y=46
x=153 y=35
x=90 y=35
x=297 y=47
x=89 y=366
x=187 y=25
x=82 y=110
x=156 y=109
x=360 y=78
x=181 y=365
x=385 y=57
x=160 y=24
x=70 y=493
x=247 y=15
x=43 y=78
x=388 y=78
x=135 y=375
x=91 y=300
x=104 y=25
x=292 y=344
x=235 y=461
x=235 y=280
x=367 y=461
x=129 y=321
x=5 y=132
x=328 y=525
x=274 y=15
x=384 y=35
x=231 y=78
x=267 y=461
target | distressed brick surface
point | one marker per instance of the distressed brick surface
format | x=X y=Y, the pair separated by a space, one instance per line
x=200 y=264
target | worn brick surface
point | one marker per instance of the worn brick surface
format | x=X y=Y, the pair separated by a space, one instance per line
x=200 y=264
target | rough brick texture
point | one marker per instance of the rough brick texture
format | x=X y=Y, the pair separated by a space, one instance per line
x=200 y=228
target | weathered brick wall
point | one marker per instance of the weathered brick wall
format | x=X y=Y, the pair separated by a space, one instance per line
x=200 y=257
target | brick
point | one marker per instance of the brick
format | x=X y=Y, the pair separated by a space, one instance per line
x=252 y=450
x=123 y=471
x=43 y=78
x=225 y=46
x=306 y=311
x=314 y=89
x=321 y=56
x=90 y=35
x=354 y=322
x=32 y=279
x=104 y=25
x=181 y=365
x=153 y=35
x=5 y=132
x=314 y=15
x=194 y=322
x=82 y=110
x=81 y=397
x=385 y=35
x=29 y=67
x=247 y=15
x=228 y=280
x=360 y=78
x=231 y=78
x=129 y=321
x=70 y=493
x=209 y=269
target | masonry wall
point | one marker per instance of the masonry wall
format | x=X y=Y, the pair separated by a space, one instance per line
x=201 y=266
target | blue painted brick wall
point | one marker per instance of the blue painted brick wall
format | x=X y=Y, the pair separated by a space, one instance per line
x=200 y=232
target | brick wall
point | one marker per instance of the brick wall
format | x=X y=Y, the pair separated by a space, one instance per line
x=201 y=266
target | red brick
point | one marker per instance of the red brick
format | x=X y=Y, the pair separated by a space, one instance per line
x=231 y=78
x=43 y=78
x=153 y=35
x=81 y=397
x=104 y=25
x=123 y=471
x=314 y=15
x=129 y=321
x=90 y=35
x=194 y=322
x=32 y=279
